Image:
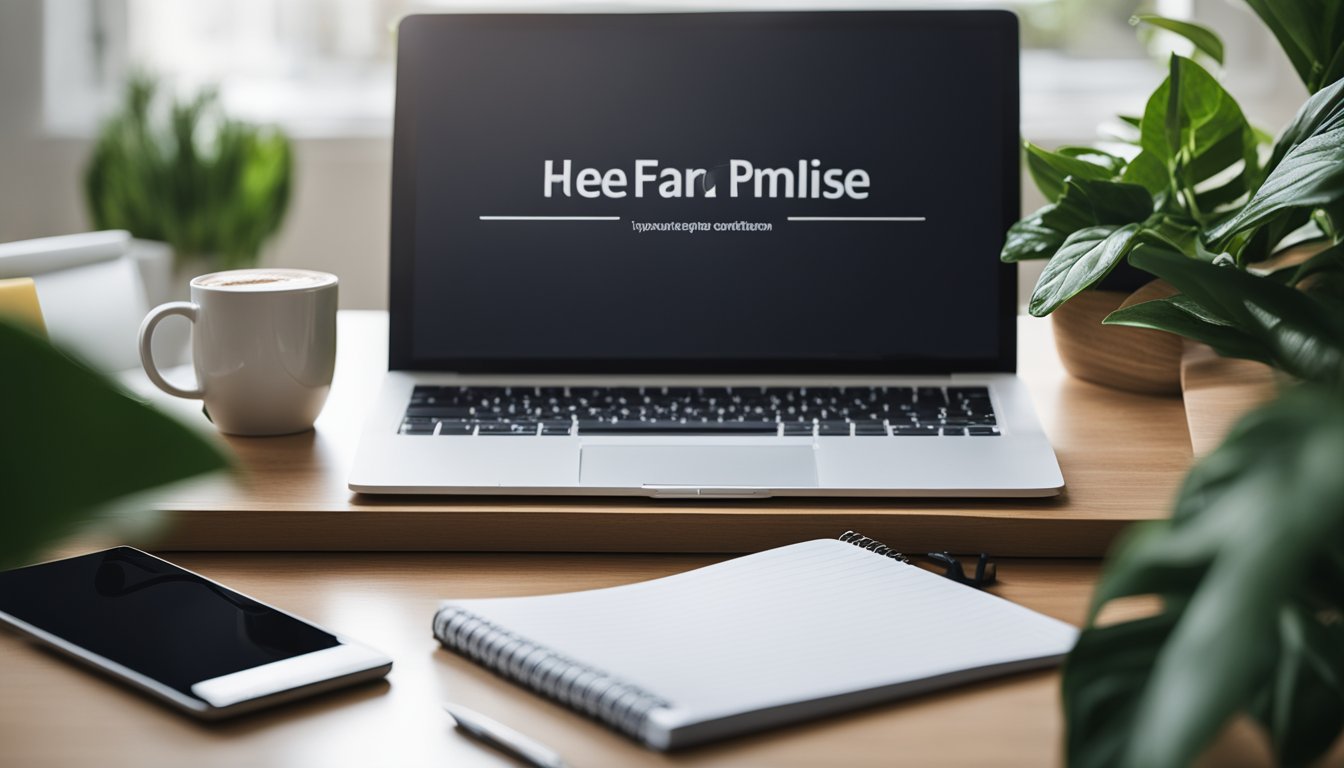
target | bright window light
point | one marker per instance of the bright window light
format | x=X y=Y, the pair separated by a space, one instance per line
x=324 y=68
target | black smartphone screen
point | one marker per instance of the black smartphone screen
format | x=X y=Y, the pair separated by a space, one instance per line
x=154 y=618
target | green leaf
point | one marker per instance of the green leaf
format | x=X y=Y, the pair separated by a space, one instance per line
x=1050 y=169
x=1306 y=709
x=1114 y=164
x=1173 y=231
x=1305 y=337
x=1315 y=111
x=1334 y=70
x=1084 y=203
x=1030 y=239
x=1204 y=39
x=1149 y=172
x=1329 y=260
x=1311 y=175
x=52 y=486
x=1181 y=316
x=1221 y=196
x=1311 y=33
x=1252 y=520
x=1195 y=128
x=1103 y=678
x=1109 y=202
x=1269 y=237
x=1085 y=257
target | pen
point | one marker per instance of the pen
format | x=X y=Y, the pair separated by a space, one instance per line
x=504 y=738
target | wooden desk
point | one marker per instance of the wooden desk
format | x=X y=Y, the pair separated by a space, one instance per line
x=1122 y=456
x=53 y=714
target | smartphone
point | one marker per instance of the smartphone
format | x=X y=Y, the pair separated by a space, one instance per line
x=178 y=636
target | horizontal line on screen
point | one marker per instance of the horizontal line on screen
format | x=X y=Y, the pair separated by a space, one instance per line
x=857 y=218
x=550 y=218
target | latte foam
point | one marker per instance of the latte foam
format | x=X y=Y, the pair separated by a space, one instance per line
x=264 y=279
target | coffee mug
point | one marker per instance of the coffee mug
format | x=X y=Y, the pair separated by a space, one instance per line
x=263 y=346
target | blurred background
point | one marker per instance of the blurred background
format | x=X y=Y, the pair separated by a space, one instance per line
x=322 y=72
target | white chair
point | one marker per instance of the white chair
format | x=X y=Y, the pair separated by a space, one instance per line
x=91 y=291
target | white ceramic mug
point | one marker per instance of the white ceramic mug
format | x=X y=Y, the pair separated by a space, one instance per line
x=263 y=345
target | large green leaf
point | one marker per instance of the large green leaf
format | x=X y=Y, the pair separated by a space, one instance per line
x=1251 y=522
x=1305 y=336
x=1051 y=169
x=1181 y=316
x=1085 y=257
x=73 y=441
x=1314 y=112
x=1190 y=113
x=1310 y=175
x=1311 y=33
x=1204 y=39
x=1194 y=127
x=1084 y=203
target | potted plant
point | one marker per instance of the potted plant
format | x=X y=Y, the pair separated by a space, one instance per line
x=1191 y=183
x=1249 y=570
x=181 y=171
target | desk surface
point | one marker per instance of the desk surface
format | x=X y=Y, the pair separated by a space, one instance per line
x=54 y=714
x=1122 y=456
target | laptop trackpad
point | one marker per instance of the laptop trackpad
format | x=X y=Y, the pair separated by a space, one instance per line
x=698 y=466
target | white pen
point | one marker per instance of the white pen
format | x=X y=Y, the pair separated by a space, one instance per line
x=504 y=738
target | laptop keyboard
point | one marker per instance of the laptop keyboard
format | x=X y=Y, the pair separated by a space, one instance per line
x=782 y=411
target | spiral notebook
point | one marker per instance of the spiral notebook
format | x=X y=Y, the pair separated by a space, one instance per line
x=758 y=641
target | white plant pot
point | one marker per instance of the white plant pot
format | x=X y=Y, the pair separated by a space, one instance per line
x=154 y=260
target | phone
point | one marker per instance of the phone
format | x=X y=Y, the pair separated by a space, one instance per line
x=184 y=639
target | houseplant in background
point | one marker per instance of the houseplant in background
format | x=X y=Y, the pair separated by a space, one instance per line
x=1249 y=569
x=181 y=171
x=1194 y=164
x=76 y=445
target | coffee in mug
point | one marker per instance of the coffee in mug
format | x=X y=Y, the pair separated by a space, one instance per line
x=263 y=347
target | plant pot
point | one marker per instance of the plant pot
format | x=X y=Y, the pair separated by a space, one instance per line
x=1218 y=391
x=1131 y=359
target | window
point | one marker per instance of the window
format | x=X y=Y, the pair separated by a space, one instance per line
x=325 y=67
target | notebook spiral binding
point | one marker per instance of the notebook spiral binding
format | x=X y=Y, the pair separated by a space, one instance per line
x=618 y=704
x=872 y=545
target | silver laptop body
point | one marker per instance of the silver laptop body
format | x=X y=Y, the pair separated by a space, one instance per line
x=668 y=255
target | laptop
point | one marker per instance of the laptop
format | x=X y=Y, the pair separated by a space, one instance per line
x=705 y=255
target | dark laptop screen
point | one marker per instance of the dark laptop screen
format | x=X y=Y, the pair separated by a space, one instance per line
x=750 y=192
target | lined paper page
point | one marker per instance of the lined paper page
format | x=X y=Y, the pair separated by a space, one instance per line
x=791 y=624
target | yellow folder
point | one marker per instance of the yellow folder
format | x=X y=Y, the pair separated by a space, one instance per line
x=18 y=302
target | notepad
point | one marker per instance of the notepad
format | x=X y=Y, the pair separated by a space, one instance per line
x=758 y=641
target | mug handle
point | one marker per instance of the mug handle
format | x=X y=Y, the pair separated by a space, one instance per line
x=184 y=308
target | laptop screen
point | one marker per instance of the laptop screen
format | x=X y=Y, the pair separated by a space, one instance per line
x=695 y=193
